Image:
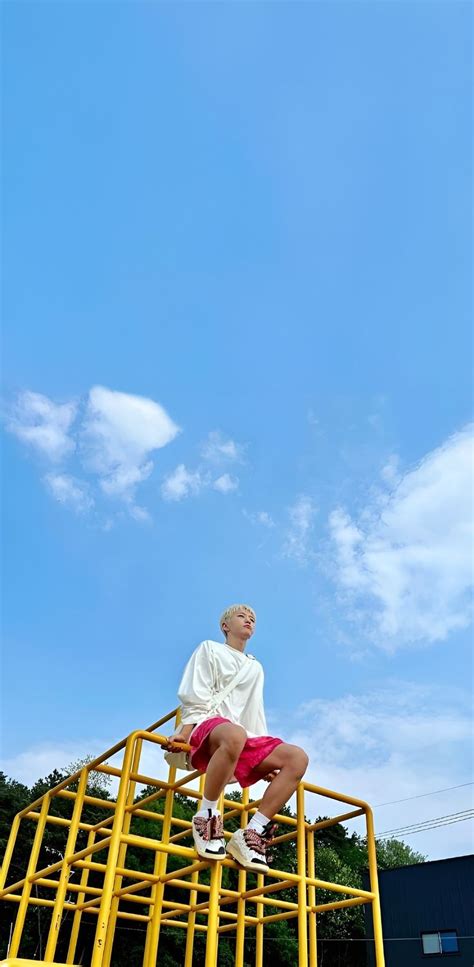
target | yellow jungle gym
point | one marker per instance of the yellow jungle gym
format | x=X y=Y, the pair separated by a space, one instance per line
x=224 y=910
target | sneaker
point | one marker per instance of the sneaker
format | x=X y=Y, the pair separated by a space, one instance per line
x=249 y=848
x=208 y=835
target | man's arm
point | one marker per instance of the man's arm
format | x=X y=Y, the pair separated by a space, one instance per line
x=195 y=689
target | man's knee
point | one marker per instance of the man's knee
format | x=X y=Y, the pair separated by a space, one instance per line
x=298 y=760
x=233 y=739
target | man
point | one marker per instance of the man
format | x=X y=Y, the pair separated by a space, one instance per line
x=229 y=739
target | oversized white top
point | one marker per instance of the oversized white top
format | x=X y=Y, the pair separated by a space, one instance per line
x=209 y=670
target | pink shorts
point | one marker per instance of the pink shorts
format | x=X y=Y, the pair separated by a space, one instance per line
x=253 y=753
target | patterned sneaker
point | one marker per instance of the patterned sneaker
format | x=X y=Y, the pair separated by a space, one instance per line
x=249 y=848
x=208 y=835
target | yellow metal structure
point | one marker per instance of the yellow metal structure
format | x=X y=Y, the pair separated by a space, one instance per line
x=210 y=908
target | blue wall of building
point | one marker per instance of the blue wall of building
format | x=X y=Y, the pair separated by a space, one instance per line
x=426 y=897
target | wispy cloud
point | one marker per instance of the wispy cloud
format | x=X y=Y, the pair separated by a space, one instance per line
x=297 y=542
x=38 y=761
x=404 y=565
x=219 y=449
x=182 y=483
x=69 y=491
x=259 y=517
x=394 y=741
x=43 y=424
x=225 y=483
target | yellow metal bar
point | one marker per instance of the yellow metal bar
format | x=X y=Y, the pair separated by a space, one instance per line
x=374 y=886
x=56 y=918
x=290 y=915
x=228 y=916
x=301 y=867
x=113 y=852
x=212 y=920
x=259 y=928
x=269 y=888
x=76 y=923
x=338 y=796
x=23 y=907
x=157 y=891
x=340 y=904
x=166 y=718
x=312 y=931
x=114 y=906
x=188 y=956
x=242 y=883
x=37 y=902
x=326 y=823
x=60 y=821
x=9 y=851
x=183 y=870
x=89 y=800
x=16 y=962
x=190 y=932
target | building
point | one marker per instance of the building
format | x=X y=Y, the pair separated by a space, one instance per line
x=427 y=913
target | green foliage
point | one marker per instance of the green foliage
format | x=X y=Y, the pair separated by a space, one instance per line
x=392 y=852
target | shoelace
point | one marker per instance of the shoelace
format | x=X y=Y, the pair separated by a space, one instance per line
x=261 y=842
x=212 y=828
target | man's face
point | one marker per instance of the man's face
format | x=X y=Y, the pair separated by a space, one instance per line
x=241 y=624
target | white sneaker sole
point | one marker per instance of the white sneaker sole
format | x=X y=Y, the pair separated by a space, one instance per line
x=209 y=856
x=234 y=851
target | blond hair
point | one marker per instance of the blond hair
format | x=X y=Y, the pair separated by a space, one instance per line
x=233 y=609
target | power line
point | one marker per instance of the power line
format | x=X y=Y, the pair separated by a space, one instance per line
x=422 y=829
x=434 y=819
x=421 y=795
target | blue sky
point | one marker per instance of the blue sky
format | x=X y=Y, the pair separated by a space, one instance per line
x=237 y=366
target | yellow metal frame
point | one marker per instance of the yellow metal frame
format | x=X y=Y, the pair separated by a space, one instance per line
x=121 y=884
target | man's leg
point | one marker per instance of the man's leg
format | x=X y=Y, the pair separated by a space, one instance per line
x=290 y=762
x=224 y=745
x=248 y=846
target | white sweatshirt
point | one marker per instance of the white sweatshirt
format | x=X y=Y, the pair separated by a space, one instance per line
x=211 y=667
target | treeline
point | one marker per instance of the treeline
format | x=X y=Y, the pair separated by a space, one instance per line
x=341 y=857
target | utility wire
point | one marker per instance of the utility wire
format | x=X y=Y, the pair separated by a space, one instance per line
x=422 y=829
x=435 y=819
x=421 y=795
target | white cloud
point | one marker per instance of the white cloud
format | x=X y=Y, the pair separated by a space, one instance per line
x=120 y=431
x=69 y=491
x=389 y=743
x=259 y=517
x=410 y=552
x=296 y=545
x=182 y=483
x=225 y=484
x=117 y=435
x=39 y=422
x=40 y=760
x=140 y=513
x=218 y=449
x=125 y=479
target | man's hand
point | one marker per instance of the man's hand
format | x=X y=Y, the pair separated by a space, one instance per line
x=182 y=735
x=271 y=776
